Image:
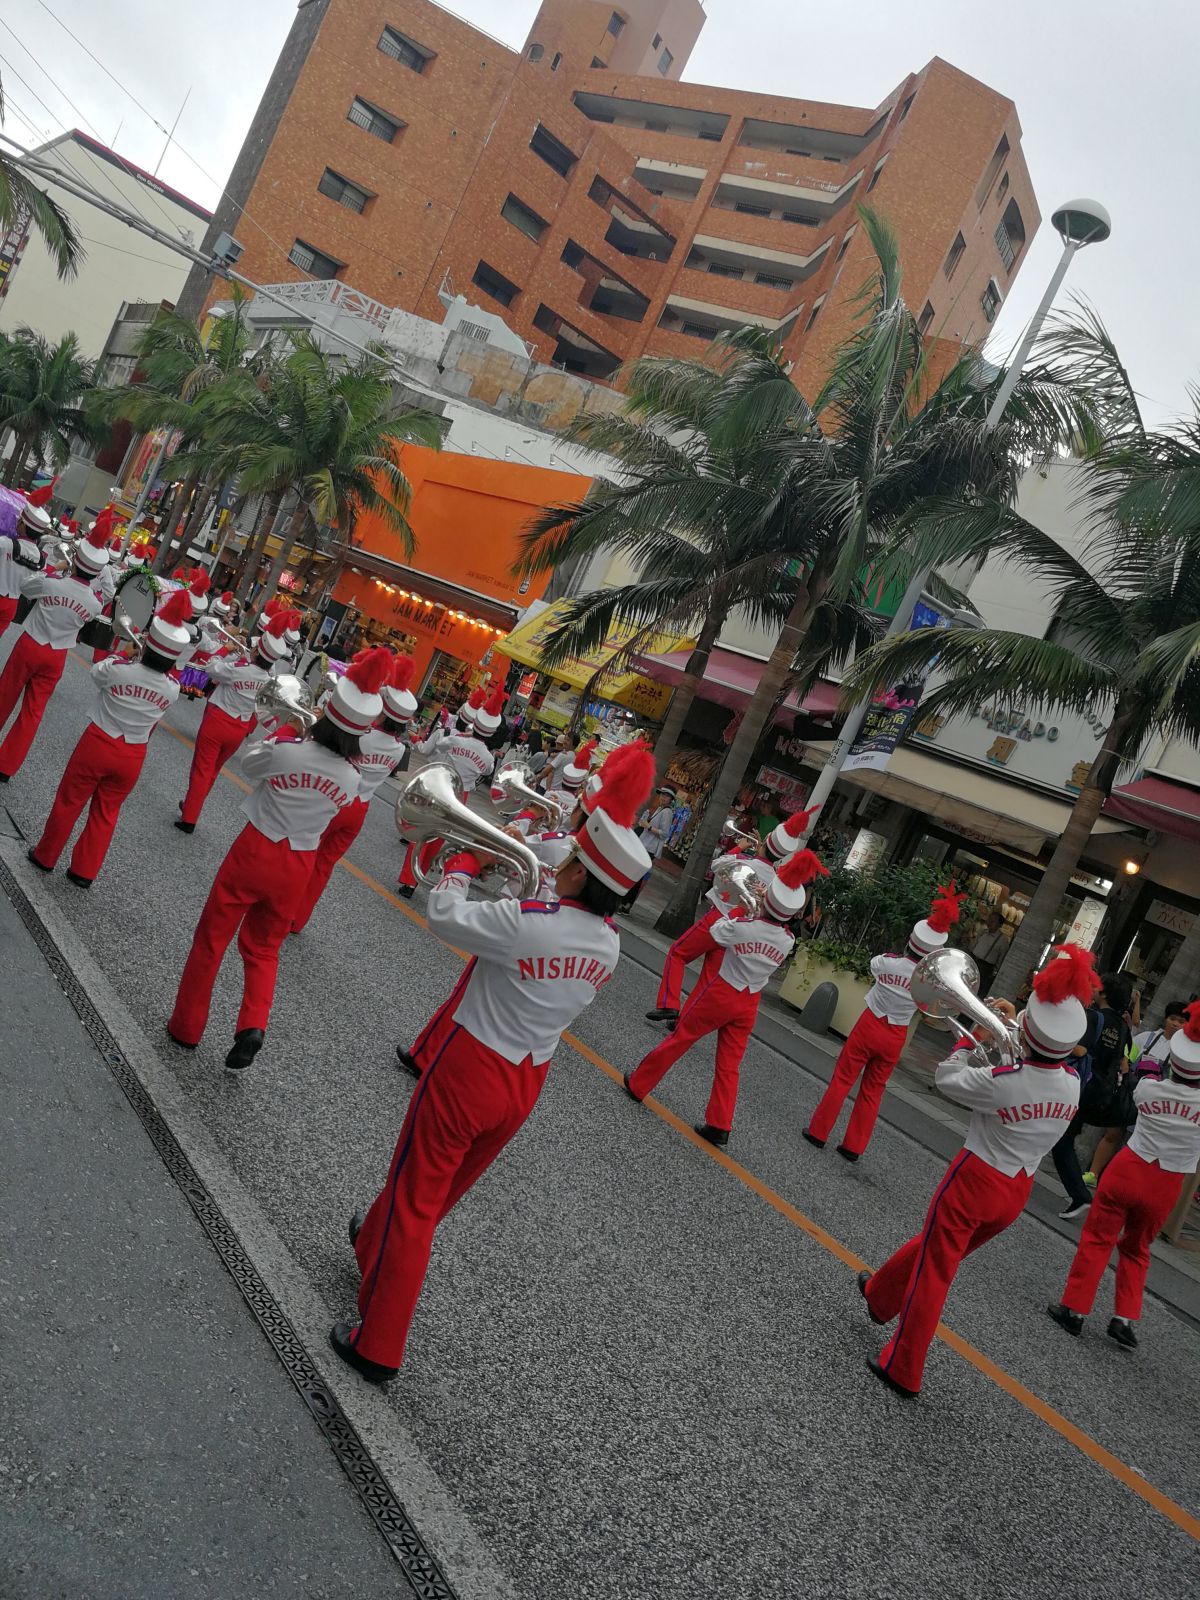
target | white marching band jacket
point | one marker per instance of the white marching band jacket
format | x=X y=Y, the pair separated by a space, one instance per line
x=1017 y=1113
x=64 y=606
x=133 y=699
x=754 y=951
x=536 y=966
x=469 y=757
x=379 y=754
x=1168 y=1124
x=299 y=788
x=238 y=682
x=889 y=996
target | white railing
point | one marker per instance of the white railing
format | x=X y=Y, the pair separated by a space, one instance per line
x=332 y=292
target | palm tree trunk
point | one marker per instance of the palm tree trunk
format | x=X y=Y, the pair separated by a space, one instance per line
x=1180 y=979
x=290 y=534
x=1037 y=925
x=273 y=514
x=22 y=445
x=178 y=520
x=681 y=911
x=685 y=693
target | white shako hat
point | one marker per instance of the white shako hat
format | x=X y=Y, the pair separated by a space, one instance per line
x=932 y=931
x=356 y=702
x=222 y=606
x=167 y=633
x=1185 y=1046
x=784 y=840
x=1054 y=1019
x=608 y=846
x=612 y=763
x=488 y=717
x=471 y=707
x=786 y=893
x=574 y=774
x=36 y=521
x=398 y=699
x=92 y=554
x=271 y=642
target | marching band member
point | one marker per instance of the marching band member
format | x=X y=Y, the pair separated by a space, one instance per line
x=1138 y=1190
x=380 y=751
x=1016 y=1115
x=782 y=842
x=874 y=1044
x=19 y=556
x=62 y=607
x=743 y=955
x=229 y=716
x=534 y=968
x=574 y=775
x=465 y=751
x=299 y=787
x=134 y=696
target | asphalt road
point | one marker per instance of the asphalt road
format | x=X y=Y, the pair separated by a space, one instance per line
x=640 y=1375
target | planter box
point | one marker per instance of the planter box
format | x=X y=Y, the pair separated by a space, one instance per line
x=803 y=976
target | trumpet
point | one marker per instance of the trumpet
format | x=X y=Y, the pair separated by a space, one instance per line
x=285 y=700
x=431 y=805
x=216 y=636
x=512 y=791
x=740 y=885
x=946 y=981
x=739 y=835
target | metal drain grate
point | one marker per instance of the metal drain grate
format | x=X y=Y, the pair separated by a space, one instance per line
x=424 y=1576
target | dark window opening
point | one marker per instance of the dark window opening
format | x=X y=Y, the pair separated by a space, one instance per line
x=572 y=254
x=664 y=62
x=546 y=321
x=774 y=280
x=925 y=320
x=557 y=62
x=653 y=125
x=814 y=313
x=364 y=115
x=405 y=50
x=697 y=330
x=494 y=284
x=750 y=210
x=616 y=24
x=1010 y=235
x=552 y=151
x=536 y=52
x=1002 y=189
x=991 y=301
x=656 y=41
x=530 y=224
x=343 y=191
x=711 y=135
x=844 y=246
x=801 y=217
x=313 y=261
x=907 y=106
x=954 y=255
x=596 y=62
x=875 y=176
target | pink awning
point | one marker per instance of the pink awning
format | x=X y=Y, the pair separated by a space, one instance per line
x=1158 y=803
x=731 y=680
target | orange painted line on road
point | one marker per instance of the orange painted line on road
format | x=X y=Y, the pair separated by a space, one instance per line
x=1083 y=1442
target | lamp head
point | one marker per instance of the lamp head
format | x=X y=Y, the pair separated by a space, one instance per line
x=1082 y=222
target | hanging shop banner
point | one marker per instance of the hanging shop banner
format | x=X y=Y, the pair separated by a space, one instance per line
x=891 y=713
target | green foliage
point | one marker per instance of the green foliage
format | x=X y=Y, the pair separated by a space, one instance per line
x=867 y=914
x=43 y=392
x=23 y=203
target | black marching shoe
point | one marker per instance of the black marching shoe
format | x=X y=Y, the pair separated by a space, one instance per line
x=406 y=1061
x=246 y=1046
x=864 y=1279
x=625 y=1077
x=1121 y=1333
x=817 y=1144
x=1069 y=1320
x=405 y=891
x=31 y=855
x=354 y=1227
x=339 y=1338
x=185 y=827
x=5 y=776
x=717 y=1136
x=663 y=1014
x=876 y=1366
x=847 y=1155
x=80 y=883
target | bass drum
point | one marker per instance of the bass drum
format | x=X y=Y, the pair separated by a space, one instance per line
x=137 y=596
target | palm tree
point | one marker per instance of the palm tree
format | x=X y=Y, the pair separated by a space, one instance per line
x=1127 y=609
x=44 y=390
x=317 y=435
x=23 y=204
x=834 y=479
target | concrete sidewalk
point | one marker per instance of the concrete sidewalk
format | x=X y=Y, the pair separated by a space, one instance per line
x=151 y=1443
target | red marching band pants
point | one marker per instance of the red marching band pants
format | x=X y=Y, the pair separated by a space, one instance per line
x=428 y=853
x=100 y=775
x=220 y=735
x=1133 y=1199
x=335 y=841
x=254 y=895
x=870 y=1052
x=30 y=675
x=712 y=1006
x=8 y=610
x=468 y=1105
x=973 y=1203
x=694 y=942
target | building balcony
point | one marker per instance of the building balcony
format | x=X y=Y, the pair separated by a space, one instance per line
x=736 y=259
x=798 y=204
x=673 y=180
x=682 y=122
x=741 y=297
x=799 y=139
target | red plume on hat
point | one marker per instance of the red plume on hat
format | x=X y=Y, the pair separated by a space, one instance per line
x=176 y=608
x=625 y=791
x=798 y=822
x=1191 y=1027
x=495 y=705
x=370 y=669
x=477 y=697
x=277 y=626
x=274 y=606
x=102 y=528
x=1069 y=976
x=227 y=598
x=180 y=575
x=403 y=669
x=943 y=913
x=583 y=756
x=42 y=496
x=200 y=583
x=294 y=620
x=801 y=868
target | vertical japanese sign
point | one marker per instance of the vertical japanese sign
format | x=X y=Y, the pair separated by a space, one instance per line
x=891 y=713
x=12 y=248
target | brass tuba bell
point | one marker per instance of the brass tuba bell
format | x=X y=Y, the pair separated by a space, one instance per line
x=431 y=805
x=947 y=981
x=285 y=699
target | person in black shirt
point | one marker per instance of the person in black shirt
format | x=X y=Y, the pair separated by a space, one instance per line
x=1103 y=1063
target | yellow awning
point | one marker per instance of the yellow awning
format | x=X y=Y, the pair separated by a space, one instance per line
x=642 y=695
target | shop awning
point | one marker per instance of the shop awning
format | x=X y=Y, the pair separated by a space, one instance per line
x=626 y=686
x=453 y=596
x=967 y=801
x=731 y=680
x=1164 y=804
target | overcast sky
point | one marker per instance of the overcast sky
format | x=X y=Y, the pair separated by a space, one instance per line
x=1106 y=97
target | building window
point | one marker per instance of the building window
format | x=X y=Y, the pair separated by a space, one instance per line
x=875 y=176
x=711 y=135
x=697 y=330
x=814 y=313
x=801 y=217
x=664 y=62
x=845 y=245
x=552 y=151
x=749 y=210
x=547 y=321
x=596 y=62
x=653 y=125
x=494 y=284
x=557 y=62
x=772 y=280
x=955 y=255
x=573 y=255
x=537 y=51
x=343 y=191
x=991 y=300
x=364 y=115
x=906 y=107
x=616 y=24
x=722 y=269
x=522 y=217
x=1010 y=235
x=925 y=320
x=407 y=51
x=1002 y=190
x=313 y=261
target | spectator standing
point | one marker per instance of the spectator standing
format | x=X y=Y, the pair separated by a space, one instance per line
x=1104 y=1102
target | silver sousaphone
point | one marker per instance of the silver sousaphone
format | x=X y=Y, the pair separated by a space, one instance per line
x=739 y=885
x=946 y=982
x=512 y=791
x=285 y=700
x=432 y=805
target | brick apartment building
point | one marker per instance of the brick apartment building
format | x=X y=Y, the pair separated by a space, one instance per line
x=605 y=208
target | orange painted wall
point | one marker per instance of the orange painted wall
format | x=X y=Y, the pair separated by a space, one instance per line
x=432 y=628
